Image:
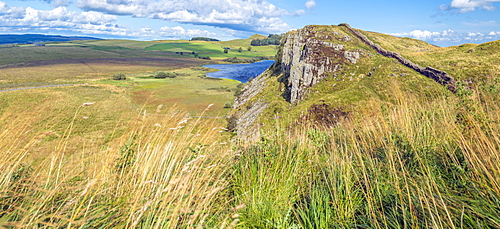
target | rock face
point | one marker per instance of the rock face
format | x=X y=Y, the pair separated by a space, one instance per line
x=245 y=121
x=306 y=58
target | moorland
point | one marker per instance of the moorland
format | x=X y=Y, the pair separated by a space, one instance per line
x=372 y=144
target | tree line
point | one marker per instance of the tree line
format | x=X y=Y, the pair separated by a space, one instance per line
x=272 y=39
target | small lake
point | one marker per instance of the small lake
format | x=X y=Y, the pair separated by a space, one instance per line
x=240 y=72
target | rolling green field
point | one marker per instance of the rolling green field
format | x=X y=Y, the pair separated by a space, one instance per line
x=84 y=127
x=214 y=50
x=90 y=65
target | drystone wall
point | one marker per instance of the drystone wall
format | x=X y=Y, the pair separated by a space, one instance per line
x=437 y=75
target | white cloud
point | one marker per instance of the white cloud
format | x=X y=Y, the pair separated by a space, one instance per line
x=450 y=36
x=464 y=6
x=180 y=32
x=16 y=19
x=247 y=15
x=3 y=6
x=475 y=34
x=19 y=19
x=423 y=35
x=310 y=4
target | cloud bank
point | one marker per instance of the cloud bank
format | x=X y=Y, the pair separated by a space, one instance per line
x=464 y=6
x=249 y=15
x=59 y=18
x=28 y=19
x=450 y=37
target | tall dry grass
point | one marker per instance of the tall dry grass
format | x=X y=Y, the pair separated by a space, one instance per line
x=163 y=173
x=409 y=165
x=412 y=164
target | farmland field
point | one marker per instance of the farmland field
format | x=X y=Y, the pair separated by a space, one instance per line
x=90 y=65
x=212 y=50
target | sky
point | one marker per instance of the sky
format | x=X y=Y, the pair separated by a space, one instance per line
x=439 y=22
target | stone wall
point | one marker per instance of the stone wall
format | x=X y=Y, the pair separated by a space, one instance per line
x=437 y=75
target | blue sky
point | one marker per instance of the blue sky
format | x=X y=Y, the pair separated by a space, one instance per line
x=440 y=22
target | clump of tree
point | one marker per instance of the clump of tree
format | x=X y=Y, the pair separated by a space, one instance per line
x=119 y=76
x=272 y=39
x=203 y=39
x=163 y=75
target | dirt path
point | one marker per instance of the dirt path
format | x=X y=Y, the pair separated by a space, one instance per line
x=35 y=87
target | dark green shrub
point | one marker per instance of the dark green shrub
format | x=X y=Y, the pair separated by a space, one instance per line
x=119 y=76
x=163 y=75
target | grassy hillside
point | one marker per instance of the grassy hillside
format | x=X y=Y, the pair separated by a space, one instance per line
x=467 y=62
x=400 y=152
x=376 y=145
x=374 y=78
x=215 y=50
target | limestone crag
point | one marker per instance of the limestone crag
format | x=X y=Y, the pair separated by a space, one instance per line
x=306 y=58
x=251 y=89
x=247 y=108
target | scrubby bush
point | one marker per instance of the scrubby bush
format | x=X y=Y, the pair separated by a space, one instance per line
x=163 y=75
x=119 y=76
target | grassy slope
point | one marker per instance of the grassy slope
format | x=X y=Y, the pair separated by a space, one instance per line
x=409 y=155
x=418 y=158
x=215 y=50
x=89 y=144
x=465 y=62
x=352 y=89
x=51 y=109
x=49 y=126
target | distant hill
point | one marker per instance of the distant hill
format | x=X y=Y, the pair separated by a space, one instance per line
x=35 y=38
x=257 y=36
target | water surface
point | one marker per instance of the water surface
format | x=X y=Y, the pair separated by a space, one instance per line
x=240 y=72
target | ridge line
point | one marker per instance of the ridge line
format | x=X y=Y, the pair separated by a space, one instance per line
x=437 y=75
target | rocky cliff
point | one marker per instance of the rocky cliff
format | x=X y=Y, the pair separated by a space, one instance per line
x=315 y=55
x=307 y=57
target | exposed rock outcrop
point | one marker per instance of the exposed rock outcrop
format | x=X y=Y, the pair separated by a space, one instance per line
x=306 y=58
x=437 y=75
x=245 y=120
